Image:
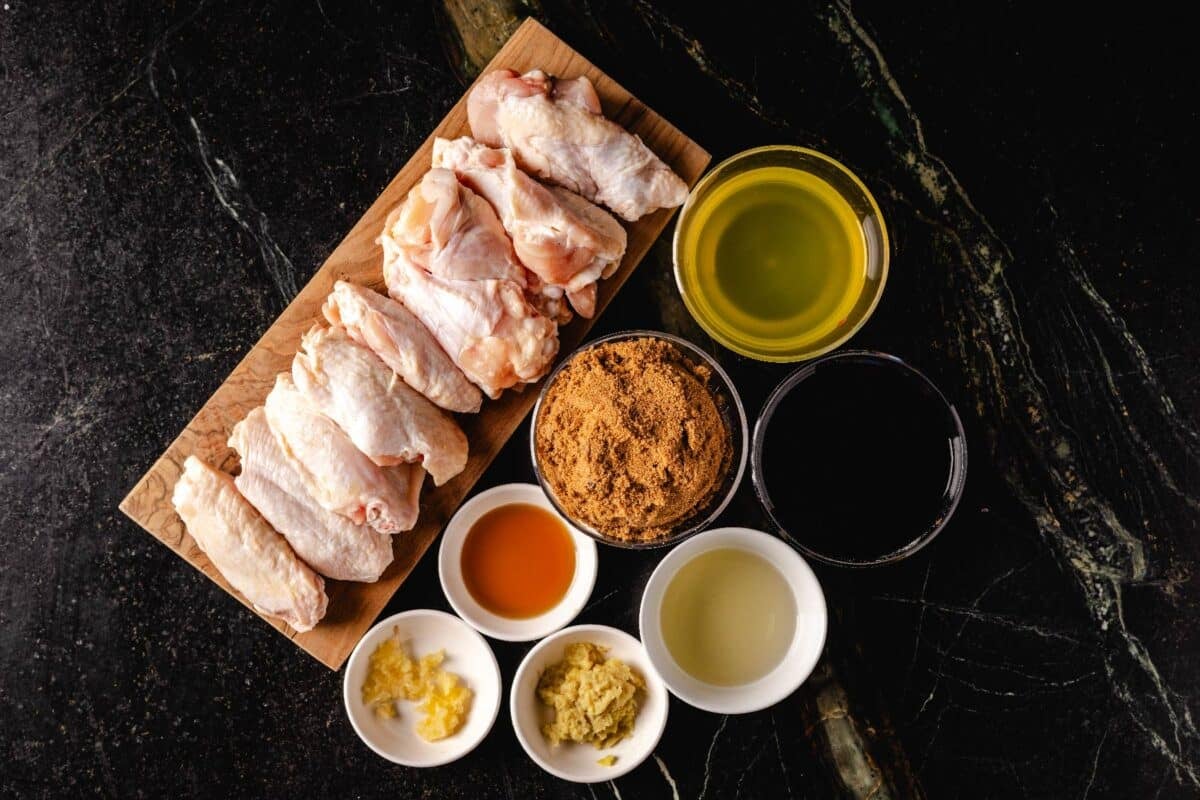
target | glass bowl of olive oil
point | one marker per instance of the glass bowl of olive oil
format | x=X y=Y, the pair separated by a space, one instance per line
x=781 y=253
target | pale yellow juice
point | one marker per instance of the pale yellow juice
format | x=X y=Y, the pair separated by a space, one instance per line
x=728 y=617
x=774 y=255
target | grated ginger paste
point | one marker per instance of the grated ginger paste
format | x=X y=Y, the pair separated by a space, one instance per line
x=595 y=698
x=393 y=675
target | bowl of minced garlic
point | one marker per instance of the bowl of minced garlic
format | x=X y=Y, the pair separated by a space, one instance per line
x=639 y=439
x=422 y=688
x=394 y=675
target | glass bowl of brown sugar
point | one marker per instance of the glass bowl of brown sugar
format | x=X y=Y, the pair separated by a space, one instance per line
x=639 y=439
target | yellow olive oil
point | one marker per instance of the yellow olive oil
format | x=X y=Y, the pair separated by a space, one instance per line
x=776 y=255
x=728 y=617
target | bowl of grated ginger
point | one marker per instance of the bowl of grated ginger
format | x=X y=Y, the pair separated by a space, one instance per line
x=587 y=705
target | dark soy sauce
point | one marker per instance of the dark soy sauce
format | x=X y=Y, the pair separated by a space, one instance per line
x=857 y=459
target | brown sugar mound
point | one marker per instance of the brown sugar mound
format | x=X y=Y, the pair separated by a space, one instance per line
x=630 y=439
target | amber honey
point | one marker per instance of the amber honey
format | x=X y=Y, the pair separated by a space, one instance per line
x=518 y=560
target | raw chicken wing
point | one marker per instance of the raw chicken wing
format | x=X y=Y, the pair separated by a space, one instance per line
x=566 y=241
x=329 y=543
x=253 y=558
x=381 y=414
x=339 y=477
x=403 y=343
x=454 y=233
x=557 y=131
x=447 y=259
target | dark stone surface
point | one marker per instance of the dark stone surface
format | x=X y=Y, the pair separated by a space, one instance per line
x=169 y=176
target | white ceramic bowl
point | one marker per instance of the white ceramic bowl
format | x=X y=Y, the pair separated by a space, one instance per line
x=577 y=762
x=467 y=655
x=801 y=657
x=478 y=617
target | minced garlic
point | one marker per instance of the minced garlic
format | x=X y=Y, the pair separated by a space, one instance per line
x=393 y=675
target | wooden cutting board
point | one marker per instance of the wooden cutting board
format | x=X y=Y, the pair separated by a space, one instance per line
x=353 y=607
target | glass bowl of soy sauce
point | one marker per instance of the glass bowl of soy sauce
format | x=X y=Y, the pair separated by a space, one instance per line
x=858 y=459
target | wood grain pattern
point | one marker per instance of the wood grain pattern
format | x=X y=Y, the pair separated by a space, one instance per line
x=353 y=607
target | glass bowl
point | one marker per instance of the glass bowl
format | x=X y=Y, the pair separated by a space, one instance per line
x=728 y=402
x=951 y=494
x=722 y=325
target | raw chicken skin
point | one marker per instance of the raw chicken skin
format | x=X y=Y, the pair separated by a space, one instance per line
x=566 y=241
x=458 y=235
x=339 y=477
x=382 y=415
x=441 y=233
x=556 y=131
x=403 y=343
x=329 y=543
x=253 y=558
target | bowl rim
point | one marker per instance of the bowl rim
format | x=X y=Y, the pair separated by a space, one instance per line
x=451 y=755
x=715 y=174
x=699 y=523
x=624 y=766
x=760 y=543
x=532 y=628
x=958 y=458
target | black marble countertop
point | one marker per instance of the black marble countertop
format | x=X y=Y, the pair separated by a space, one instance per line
x=169 y=175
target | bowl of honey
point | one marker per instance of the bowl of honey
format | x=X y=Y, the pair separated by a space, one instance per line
x=512 y=567
x=781 y=253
